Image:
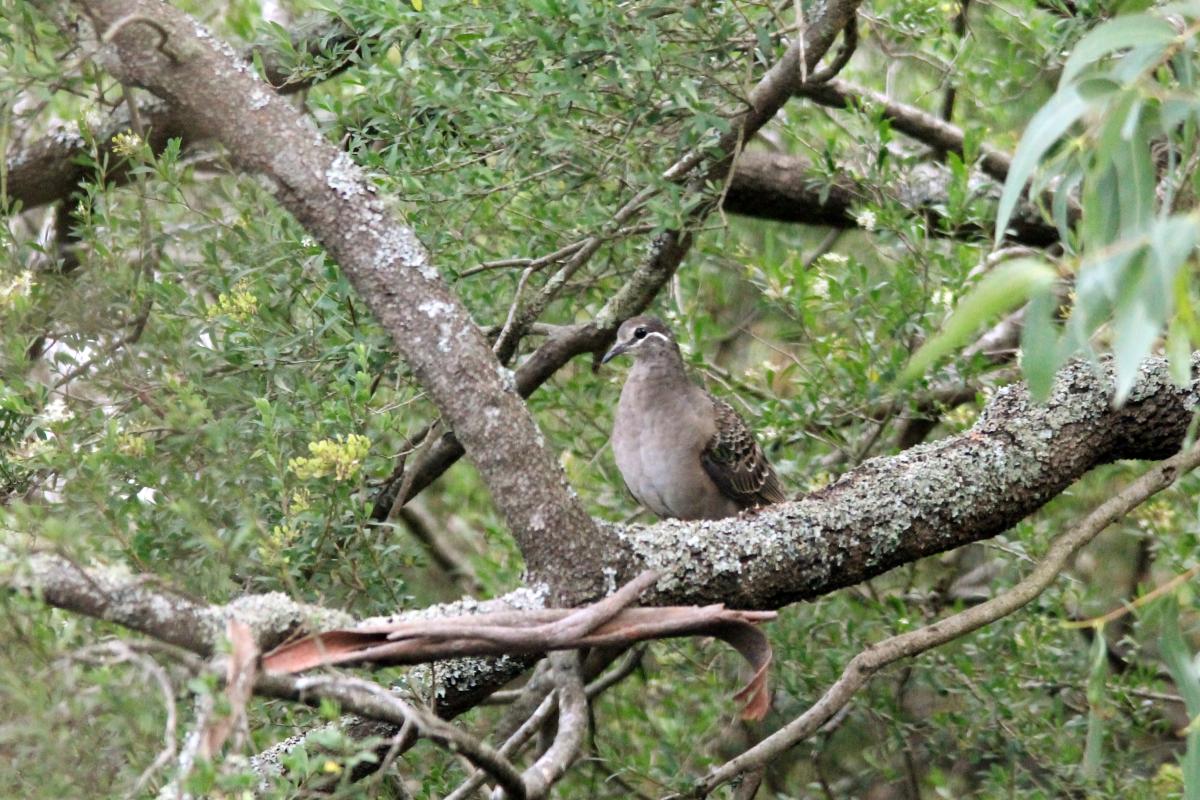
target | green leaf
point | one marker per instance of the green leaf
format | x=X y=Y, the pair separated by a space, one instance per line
x=1116 y=34
x=1180 y=664
x=1006 y=288
x=1040 y=350
x=1048 y=124
x=1093 y=754
x=1136 y=324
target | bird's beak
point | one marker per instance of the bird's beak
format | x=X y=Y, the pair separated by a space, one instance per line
x=617 y=349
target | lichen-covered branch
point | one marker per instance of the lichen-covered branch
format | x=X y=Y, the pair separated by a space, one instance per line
x=870 y=661
x=929 y=499
x=214 y=91
x=138 y=603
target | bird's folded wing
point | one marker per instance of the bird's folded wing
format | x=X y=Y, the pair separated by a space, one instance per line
x=736 y=463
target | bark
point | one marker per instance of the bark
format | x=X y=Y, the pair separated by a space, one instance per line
x=214 y=93
x=787 y=188
x=929 y=499
x=51 y=169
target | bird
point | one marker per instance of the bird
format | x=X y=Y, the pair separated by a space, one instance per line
x=682 y=453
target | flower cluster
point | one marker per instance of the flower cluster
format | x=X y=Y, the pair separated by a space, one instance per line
x=239 y=303
x=342 y=458
x=126 y=144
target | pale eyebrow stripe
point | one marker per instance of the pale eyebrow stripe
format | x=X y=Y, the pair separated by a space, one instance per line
x=653 y=333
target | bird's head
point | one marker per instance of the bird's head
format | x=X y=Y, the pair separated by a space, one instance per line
x=644 y=337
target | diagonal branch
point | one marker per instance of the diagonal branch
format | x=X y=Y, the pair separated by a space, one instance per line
x=787 y=188
x=371 y=700
x=920 y=125
x=382 y=258
x=669 y=249
x=866 y=664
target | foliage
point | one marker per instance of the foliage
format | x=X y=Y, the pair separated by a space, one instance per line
x=203 y=399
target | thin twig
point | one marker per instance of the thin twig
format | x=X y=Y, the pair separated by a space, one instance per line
x=373 y=701
x=572 y=725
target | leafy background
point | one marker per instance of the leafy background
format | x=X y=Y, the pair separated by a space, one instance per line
x=506 y=130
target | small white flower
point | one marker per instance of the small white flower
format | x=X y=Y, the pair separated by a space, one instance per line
x=819 y=287
x=148 y=496
x=834 y=259
x=17 y=287
x=943 y=297
x=56 y=411
x=865 y=220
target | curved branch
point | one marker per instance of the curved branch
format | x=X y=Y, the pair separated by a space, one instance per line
x=866 y=664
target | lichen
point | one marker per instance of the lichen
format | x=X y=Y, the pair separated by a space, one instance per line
x=344 y=177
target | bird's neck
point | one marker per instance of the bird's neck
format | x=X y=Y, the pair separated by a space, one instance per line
x=663 y=369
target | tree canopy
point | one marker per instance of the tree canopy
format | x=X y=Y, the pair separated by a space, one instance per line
x=303 y=307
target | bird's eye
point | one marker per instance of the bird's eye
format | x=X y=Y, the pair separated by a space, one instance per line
x=640 y=333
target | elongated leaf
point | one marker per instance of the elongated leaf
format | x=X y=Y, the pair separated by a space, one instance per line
x=1048 y=124
x=1006 y=288
x=1116 y=34
x=1183 y=670
x=1093 y=754
x=1041 y=353
x=1136 y=325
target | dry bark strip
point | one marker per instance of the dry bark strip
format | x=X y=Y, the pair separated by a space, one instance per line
x=606 y=623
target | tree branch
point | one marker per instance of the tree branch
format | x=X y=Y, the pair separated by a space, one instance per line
x=866 y=664
x=920 y=125
x=383 y=260
x=50 y=169
x=788 y=189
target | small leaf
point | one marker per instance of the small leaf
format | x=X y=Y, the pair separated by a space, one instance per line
x=1093 y=753
x=1135 y=327
x=1004 y=289
x=1179 y=663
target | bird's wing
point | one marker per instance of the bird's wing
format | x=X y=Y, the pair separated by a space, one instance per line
x=736 y=463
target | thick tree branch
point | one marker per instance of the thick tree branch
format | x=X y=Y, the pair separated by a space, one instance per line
x=216 y=94
x=879 y=655
x=136 y=602
x=787 y=188
x=51 y=169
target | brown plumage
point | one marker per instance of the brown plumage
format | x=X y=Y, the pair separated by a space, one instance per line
x=682 y=452
x=736 y=462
